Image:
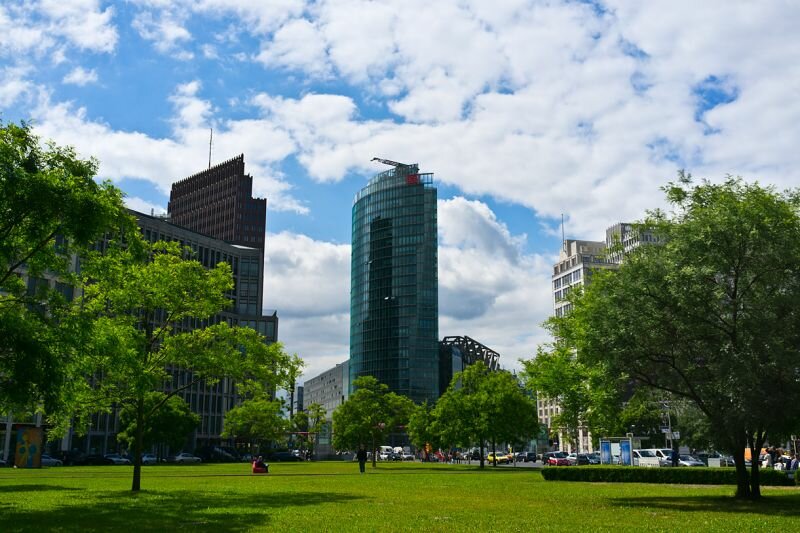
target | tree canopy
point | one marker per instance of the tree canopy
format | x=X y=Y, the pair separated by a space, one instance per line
x=369 y=415
x=51 y=207
x=710 y=315
x=481 y=406
x=257 y=420
x=130 y=321
x=169 y=424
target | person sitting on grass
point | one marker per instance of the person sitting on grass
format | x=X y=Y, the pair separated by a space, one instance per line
x=259 y=466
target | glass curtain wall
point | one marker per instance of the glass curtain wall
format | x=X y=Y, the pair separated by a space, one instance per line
x=394 y=309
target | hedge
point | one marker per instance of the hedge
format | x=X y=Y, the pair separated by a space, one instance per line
x=631 y=474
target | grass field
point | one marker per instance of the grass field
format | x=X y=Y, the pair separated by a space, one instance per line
x=314 y=497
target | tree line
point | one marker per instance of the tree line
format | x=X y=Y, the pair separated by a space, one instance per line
x=106 y=335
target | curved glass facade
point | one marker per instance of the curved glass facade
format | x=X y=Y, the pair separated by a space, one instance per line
x=394 y=289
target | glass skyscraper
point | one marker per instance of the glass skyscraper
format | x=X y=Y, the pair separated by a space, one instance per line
x=394 y=290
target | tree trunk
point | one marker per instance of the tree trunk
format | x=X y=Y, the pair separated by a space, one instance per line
x=755 y=452
x=482 y=454
x=138 y=445
x=494 y=453
x=374 y=453
x=742 y=479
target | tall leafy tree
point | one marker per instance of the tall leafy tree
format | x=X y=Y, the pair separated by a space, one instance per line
x=711 y=315
x=257 y=420
x=481 y=406
x=369 y=415
x=307 y=424
x=170 y=424
x=50 y=208
x=130 y=320
x=422 y=428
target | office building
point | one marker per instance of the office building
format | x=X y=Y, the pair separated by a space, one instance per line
x=394 y=314
x=329 y=389
x=218 y=202
x=577 y=262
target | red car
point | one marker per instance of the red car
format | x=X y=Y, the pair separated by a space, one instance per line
x=557 y=458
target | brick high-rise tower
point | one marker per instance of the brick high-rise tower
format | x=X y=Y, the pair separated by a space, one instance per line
x=219 y=202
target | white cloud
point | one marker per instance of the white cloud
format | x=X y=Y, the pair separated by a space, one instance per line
x=488 y=289
x=143 y=206
x=80 y=76
x=36 y=27
x=296 y=45
x=14 y=85
x=161 y=161
x=166 y=30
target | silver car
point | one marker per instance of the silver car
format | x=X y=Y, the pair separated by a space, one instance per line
x=51 y=461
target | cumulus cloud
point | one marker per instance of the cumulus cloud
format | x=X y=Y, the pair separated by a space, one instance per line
x=166 y=31
x=80 y=76
x=488 y=288
x=37 y=27
x=161 y=161
x=143 y=206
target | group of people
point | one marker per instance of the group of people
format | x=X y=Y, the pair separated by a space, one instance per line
x=775 y=458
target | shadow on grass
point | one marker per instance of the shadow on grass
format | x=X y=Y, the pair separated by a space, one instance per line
x=19 y=489
x=778 y=503
x=158 y=511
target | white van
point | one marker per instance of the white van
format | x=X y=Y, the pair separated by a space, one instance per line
x=384 y=453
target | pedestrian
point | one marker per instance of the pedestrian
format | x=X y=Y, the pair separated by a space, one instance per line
x=361 y=455
x=794 y=463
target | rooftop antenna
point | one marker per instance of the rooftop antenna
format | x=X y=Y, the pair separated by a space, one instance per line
x=563 y=238
x=210 y=138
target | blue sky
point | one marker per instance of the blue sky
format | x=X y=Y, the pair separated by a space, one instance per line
x=523 y=110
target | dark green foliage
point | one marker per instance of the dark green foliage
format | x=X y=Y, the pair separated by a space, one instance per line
x=686 y=476
x=169 y=422
x=711 y=315
x=50 y=208
x=370 y=414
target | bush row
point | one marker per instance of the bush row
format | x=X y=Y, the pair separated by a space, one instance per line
x=688 y=476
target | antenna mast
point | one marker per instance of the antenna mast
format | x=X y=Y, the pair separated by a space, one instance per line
x=563 y=238
x=210 y=138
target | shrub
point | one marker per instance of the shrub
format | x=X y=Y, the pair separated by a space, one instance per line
x=686 y=476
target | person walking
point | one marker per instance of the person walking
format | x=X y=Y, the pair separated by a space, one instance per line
x=361 y=455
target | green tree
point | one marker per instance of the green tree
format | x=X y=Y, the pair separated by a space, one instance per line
x=587 y=395
x=369 y=415
x=307 y=424
x=130 y=322
x=481 y=406
x=50 y=208
x=422 y=430
x=711 y=315
x=257 y=420
x=169 y=424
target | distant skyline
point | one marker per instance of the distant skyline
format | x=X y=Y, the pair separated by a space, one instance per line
x=524 y=110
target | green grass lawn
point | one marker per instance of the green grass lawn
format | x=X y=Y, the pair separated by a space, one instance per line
x=313 y=497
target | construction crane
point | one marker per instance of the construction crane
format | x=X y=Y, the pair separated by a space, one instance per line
x=388 y=162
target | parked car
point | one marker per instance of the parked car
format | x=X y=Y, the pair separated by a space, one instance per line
x=184 y=458
x=639 y=454
x=117 y=459
x=96 y=459
x=278 y=457
x=556 y=458
x=594 y=458
x=578 y=459
x=51 y=461
x=502 y=459
x=688 y=460
x=664 y=456
x=149 y=459
x=530 y=457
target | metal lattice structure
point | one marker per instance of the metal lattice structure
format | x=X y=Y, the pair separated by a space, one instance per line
x=473 y=351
